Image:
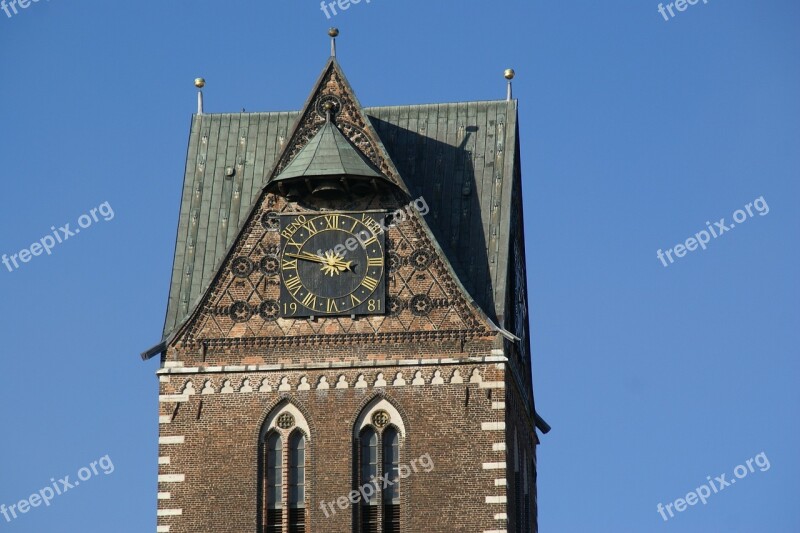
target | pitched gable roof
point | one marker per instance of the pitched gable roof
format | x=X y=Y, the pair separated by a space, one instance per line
x=459 y=157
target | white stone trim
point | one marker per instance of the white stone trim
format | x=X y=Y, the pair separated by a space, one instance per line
x=169 y=512
x=494 y=531
x=494 y=466
x=164 y=495
x=163 y=460
x=162 y=529
x=365 y=418
x=299 y=420
x=173 y=398
x=500 y=482
x=495 y=499
x=175 y=439
x=499 y=447
x=171 y=478
x=163 y=379
x=493 y=426
x=501 y=516
x=165 y=419
x=499 y=405
x=178 y=367
x=492 y=385
x=173 y=364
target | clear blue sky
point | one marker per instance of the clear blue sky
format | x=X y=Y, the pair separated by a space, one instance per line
x=635 y=132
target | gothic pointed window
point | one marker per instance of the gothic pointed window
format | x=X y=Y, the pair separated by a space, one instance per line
x=273 y=486
x=391 y=493
x=369 y=471
x=297 y=483
x=283 y=448
x=379 y=434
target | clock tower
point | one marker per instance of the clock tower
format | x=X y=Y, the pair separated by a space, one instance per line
x=346 y=347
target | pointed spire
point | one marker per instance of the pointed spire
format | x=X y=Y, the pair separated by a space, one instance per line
x=334 y=33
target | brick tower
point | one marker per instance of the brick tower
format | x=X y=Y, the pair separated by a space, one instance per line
x=346 y=345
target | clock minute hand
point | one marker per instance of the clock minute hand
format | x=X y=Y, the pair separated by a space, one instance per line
x=308 y=257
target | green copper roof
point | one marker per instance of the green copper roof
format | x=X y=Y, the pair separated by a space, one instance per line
x=329 y=153
x=462 y=158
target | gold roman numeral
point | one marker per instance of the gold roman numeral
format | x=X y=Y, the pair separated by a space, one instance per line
x=375 y=261
x=289 y=265
x=311 y=229
x=292 y=243
x=310 y=301
x=294 y=285
x=355 y=301
x=370 y=283
x=332 y=306
x=333 y=221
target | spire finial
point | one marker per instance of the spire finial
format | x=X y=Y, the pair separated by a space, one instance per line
x=333 y=33
x=199 y=83
x=328 y=107
x=509 y=75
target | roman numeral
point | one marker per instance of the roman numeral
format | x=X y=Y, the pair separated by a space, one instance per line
x=294 y=285
x=370 y=283
x=310 y=301
x=289 y=265
x=333 y=221
x=292 y=243
x=311 y=229
x=371 y=240
x=375 y=261
x=332 y=306
x=355 y=301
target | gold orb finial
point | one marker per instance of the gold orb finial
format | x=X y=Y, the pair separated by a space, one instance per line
x=327 y=106
x=333 y=32
x=509 y=73
x=199 y=83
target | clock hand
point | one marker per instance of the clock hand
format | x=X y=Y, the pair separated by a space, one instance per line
x=308 y=257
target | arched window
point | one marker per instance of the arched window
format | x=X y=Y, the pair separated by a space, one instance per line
x=297 y=483
x=284 y=441
x=368 y=472
x=391 y=493
x=273 y=490
x=379 y=433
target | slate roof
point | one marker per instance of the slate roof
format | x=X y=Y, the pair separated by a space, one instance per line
x=460 y=157
x=328 y=153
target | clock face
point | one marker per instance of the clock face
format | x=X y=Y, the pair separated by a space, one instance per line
x=332 y=264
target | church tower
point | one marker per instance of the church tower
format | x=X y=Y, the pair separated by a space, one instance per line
x=346 y=347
